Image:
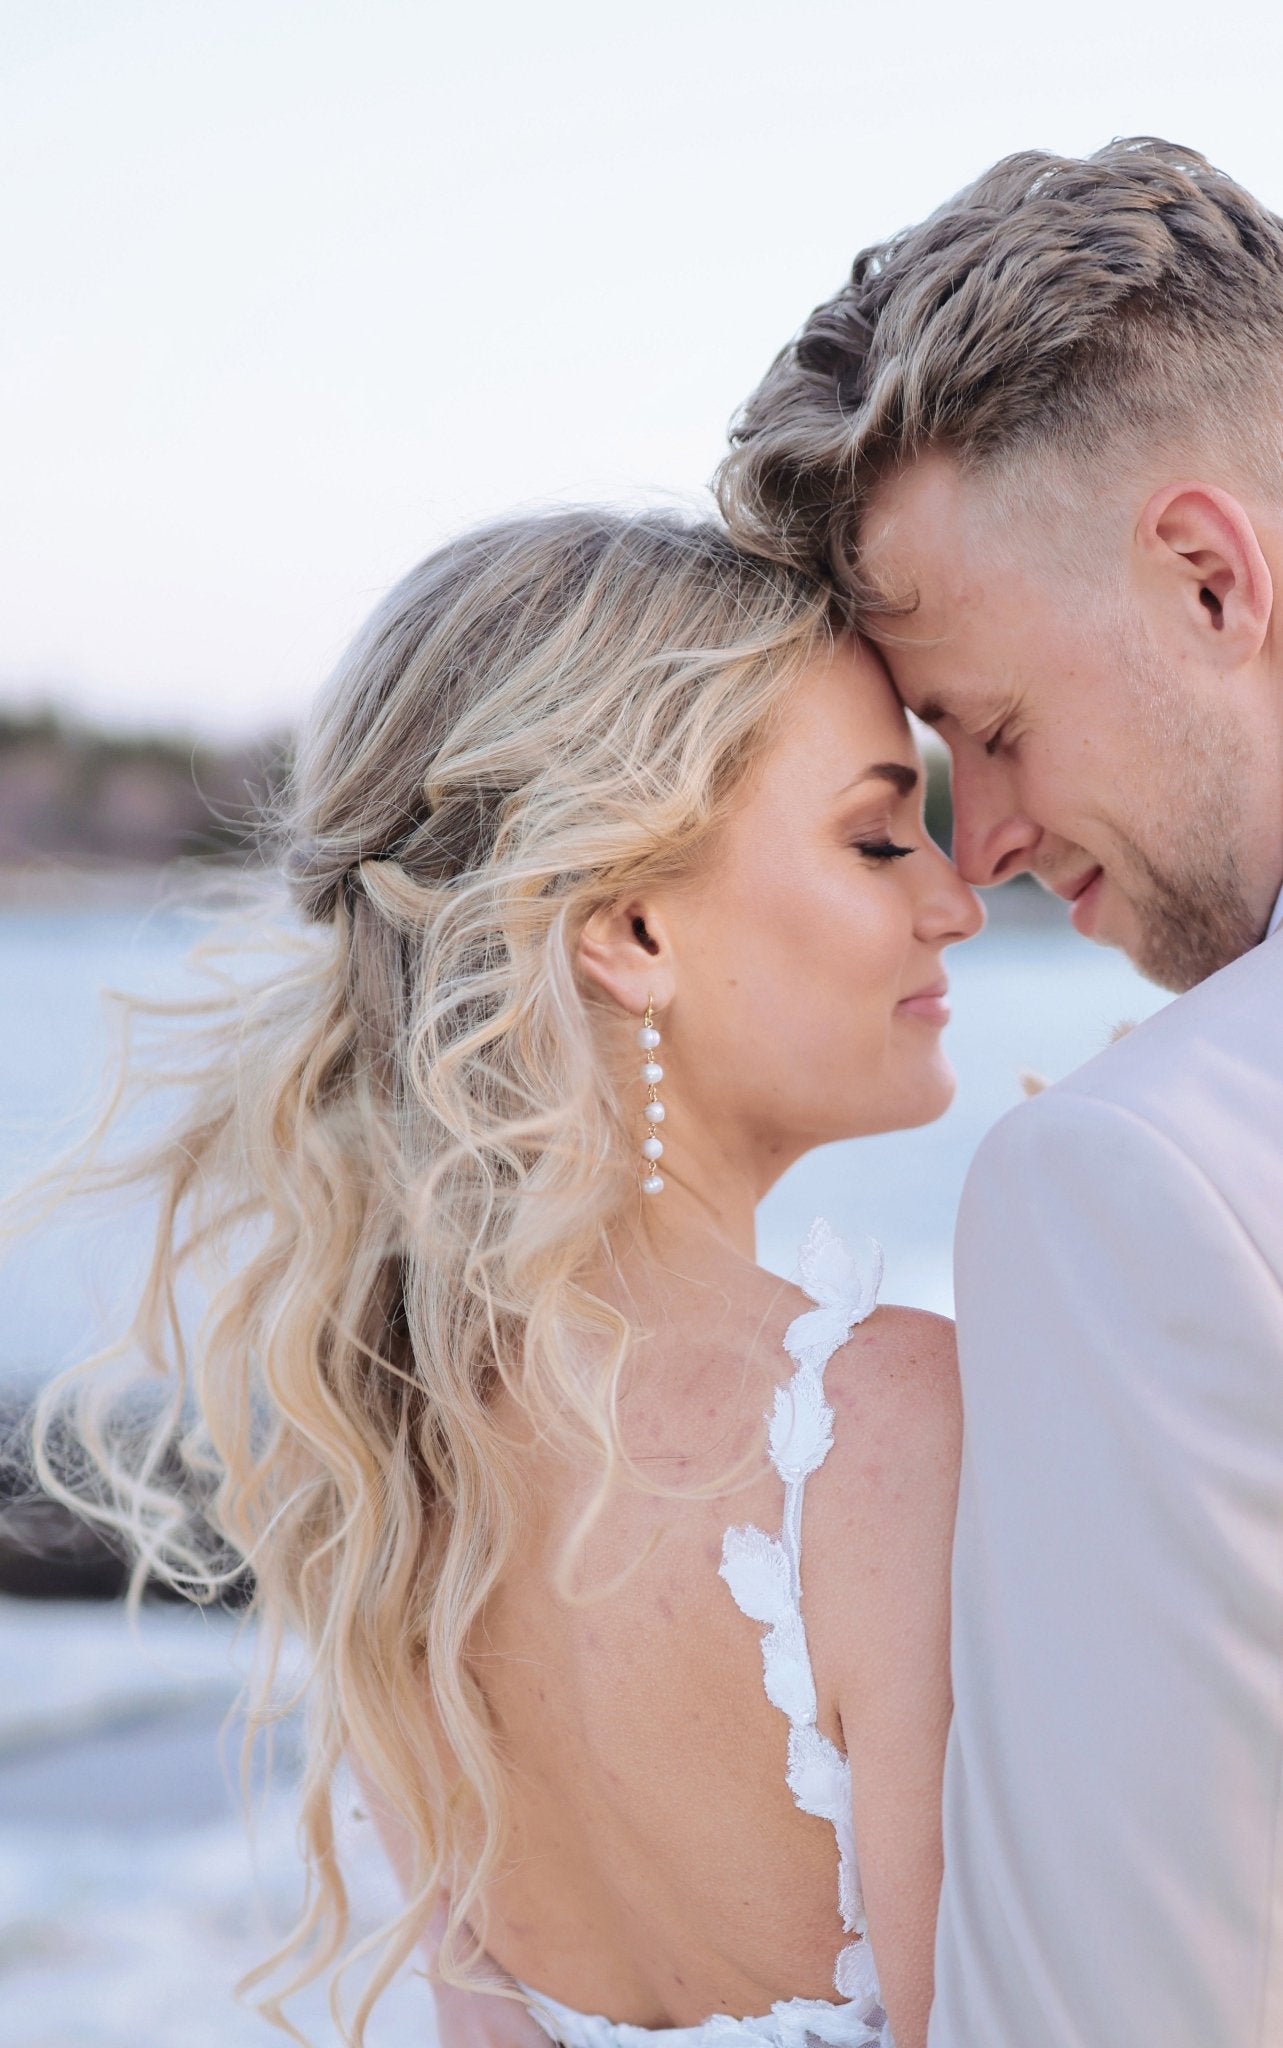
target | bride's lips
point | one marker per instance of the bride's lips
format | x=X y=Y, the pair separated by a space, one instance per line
x=927 y=1003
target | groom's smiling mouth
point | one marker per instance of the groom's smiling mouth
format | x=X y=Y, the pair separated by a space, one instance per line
x=1082 y=895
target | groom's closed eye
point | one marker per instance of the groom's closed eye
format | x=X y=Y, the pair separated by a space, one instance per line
x=989 y=732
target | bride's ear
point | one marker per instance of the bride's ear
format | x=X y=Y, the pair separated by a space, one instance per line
x=624 y=952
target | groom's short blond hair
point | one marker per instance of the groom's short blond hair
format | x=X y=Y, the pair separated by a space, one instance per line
x=1072 y=310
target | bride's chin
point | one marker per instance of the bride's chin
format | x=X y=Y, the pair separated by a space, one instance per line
x=902 y=1108
x=925 y=1100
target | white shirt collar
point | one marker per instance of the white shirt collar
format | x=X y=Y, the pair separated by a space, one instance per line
x=1276 y=916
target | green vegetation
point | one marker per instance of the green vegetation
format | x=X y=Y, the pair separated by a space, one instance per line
x=939 y=806
x=75 y=791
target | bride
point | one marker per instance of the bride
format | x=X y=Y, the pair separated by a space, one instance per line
x=621 y=1566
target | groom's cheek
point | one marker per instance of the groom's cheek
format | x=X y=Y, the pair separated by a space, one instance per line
x=971 y=816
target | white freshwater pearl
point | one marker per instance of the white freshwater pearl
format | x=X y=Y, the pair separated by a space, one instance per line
x=654 y=1112
x=653 y=1184
x=652 y=1073
x=652 y=1148
x=648 y=1038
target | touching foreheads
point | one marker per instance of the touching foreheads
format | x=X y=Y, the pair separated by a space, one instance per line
x=1059 y=313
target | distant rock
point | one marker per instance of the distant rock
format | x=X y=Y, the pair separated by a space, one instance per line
x=47 y=1551
x=73 y=791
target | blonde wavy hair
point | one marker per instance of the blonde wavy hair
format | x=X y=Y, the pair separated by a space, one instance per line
x=401 y=1146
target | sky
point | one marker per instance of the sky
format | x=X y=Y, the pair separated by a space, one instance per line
x=295 y=288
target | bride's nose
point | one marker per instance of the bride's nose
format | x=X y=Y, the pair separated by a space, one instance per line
x=949 y=909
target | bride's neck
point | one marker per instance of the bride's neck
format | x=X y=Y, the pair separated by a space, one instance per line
x=713 y=1181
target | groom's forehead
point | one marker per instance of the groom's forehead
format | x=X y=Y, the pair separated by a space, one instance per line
x=920 y=548
x=959 y=618
x=920 y=597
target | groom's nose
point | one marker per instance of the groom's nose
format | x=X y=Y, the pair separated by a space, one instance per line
x=992 y=839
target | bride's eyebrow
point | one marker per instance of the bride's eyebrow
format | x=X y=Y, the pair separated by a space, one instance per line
x=903 y=780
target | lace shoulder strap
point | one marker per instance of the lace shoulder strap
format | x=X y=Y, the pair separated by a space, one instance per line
x=764 y=1572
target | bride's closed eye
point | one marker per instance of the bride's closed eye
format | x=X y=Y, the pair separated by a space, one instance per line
x=881 y=850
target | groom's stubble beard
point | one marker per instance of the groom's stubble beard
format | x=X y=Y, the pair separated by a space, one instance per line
x=1189 y=896
x=1192 y=923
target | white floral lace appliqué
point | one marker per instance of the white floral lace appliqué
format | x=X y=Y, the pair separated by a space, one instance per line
x=764 y=1572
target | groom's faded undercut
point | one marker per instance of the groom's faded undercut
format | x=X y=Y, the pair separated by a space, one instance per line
x=1060 y=308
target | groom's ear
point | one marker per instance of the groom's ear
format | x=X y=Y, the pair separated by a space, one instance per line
x=1199 y=552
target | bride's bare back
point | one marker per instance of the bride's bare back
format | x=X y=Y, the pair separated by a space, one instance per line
x=660 y=1870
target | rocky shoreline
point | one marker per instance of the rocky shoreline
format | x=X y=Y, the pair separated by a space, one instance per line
x=48 y=1552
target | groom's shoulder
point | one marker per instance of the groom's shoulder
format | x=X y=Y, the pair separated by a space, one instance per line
x=1202 y=1079
x=1213 y=1054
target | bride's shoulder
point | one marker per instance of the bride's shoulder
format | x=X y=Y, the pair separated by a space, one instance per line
x=880 y=1521
x=891 y=1381
x=899 y=1348
x=876 y=1352
x=897 y=1408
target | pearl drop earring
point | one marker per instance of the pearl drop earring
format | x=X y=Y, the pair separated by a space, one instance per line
x=652 y=1074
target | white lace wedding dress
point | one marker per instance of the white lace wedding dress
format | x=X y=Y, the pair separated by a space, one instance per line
x=763 y=1574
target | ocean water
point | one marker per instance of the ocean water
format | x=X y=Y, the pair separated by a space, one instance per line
x=1027 y=995
x=133 y=1891
x=131 y=1898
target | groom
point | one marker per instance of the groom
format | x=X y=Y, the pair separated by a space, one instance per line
x=1039 y=439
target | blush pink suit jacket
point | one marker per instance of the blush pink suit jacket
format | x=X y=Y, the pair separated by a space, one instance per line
x=1114 y=1784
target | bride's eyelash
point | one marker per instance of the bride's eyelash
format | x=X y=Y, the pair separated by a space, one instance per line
x=881 y=850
